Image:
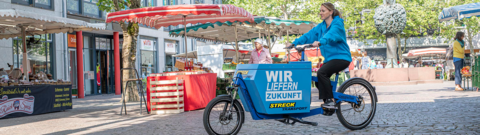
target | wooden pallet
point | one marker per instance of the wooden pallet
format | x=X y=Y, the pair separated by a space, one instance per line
x=166 y=96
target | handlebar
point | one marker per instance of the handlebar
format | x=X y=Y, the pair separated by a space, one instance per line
x=299 y=47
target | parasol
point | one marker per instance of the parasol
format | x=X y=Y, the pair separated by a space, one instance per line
x=239 y=32
x=163 y=16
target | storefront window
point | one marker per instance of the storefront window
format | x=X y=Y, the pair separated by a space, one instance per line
x=101 y=43
x=90 y=8
x=43 y=2
x=85 y=7
x=73 y=6
x=39 y=53
x=88 y=67
x=171 y=47
x=148 y=54
x=148 y=3
x=46 y=4
x=169 y=2
x=148 y=62
x=198 y=2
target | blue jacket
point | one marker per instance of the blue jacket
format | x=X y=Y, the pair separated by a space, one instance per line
x=333 y=40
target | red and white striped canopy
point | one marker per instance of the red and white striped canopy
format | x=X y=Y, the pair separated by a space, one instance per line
x=427 y=52
x=174 y=15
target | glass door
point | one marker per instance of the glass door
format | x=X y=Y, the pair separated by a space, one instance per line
x=72 y=69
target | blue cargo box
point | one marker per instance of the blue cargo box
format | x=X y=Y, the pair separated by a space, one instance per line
x=278 y=88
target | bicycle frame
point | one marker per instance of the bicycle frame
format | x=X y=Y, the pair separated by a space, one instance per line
x=244 y=94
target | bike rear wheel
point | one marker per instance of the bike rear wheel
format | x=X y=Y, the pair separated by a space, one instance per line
x=217 y=120
x=357 y=116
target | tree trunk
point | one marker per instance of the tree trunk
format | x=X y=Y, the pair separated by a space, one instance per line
x=237 y=55
x=472 y=52
x=399 y=48
x=129 y=50
x=268 y=39
x=391 y=51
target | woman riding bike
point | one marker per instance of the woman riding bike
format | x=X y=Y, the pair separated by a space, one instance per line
x=330 y=36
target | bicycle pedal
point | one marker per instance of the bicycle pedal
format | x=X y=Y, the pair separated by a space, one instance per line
x=335 y=108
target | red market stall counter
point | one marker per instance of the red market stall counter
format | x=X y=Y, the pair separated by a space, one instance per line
x=199 y=89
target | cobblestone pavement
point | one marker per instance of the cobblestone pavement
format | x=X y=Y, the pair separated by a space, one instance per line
x=415 y=109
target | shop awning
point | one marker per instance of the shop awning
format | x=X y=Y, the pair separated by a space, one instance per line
x=11 y=21
x=19 y=23
x=427 y=52
x=460 y=12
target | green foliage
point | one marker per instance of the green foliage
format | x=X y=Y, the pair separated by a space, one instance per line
x=277 y=8
x=109 y=6
x=422 y=17
x=358 y=15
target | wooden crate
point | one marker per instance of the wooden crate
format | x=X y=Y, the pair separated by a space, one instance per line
x=180 y=64
x=166 y=96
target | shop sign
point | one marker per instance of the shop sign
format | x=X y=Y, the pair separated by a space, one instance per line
x=146 y=44
x=72 y=40
x=170 y=48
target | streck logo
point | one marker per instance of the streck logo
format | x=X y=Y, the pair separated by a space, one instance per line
x=14 y=105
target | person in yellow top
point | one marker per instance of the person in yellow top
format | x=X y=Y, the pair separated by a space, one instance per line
x=458 y=55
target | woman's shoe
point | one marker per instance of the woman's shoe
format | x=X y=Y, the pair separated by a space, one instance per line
x=458 y=88
x=329 y=104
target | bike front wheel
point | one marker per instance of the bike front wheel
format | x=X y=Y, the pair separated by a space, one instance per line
x=357 y=116
x=219 y=120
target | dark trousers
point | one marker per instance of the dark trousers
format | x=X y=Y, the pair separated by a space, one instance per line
x=324 y=73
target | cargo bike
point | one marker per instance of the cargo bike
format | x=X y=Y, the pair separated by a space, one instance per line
x=282 y=92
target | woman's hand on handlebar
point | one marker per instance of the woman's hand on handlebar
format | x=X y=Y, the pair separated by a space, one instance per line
x=288 y=46
x=315 y=44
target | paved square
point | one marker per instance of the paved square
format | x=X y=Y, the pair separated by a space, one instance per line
x=410 y=109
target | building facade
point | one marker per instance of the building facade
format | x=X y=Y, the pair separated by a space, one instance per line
x=56 y=54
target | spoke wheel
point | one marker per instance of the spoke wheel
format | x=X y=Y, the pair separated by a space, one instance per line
x=357 y=116
x=218 y=120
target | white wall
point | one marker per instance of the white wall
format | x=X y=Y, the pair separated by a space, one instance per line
x=212 y=56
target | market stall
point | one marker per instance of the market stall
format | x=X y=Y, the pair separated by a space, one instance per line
x=228 y=32
x=180 y=62
x=164 y=16
x=199 y=85
x=28 y=90
x=199 y=88
x=262 y=27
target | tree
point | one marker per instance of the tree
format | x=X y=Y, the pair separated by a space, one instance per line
x=130 y=34
x=359 y=23
x=422 y=20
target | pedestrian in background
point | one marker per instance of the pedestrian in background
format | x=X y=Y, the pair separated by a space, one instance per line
x=365 y=63
x=379 y=65
x=320 y=62
x=373 y=65
x=458 y=55
x=419 y=63
x=260 y=55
